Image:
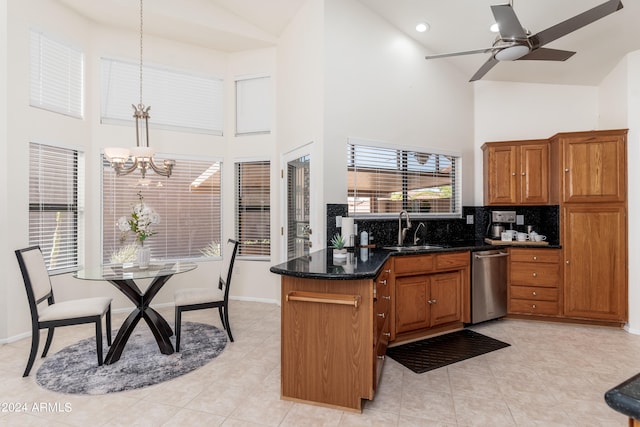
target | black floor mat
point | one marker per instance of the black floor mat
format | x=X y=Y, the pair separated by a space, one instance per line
x=443 y=350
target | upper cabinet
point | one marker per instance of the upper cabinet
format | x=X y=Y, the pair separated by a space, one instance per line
x=590 y=166
x=516 y=173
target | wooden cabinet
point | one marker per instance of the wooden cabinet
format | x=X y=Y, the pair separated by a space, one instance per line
x=516 y=173
x=430 y=291
x=534 y=281
x=591 y=171
x=329 y=355
x=381 y=319
x=595 y=273
x=593 y=166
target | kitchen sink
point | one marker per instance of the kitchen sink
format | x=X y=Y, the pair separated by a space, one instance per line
x=411 y=248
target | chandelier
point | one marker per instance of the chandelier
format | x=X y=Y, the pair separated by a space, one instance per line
x=141 y=154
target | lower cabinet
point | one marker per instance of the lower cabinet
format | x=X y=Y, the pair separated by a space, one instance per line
x=430 y=291
x=534 y=281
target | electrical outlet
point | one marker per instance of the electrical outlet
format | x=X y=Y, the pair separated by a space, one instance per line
x=338 y=221
x=469 y=219
x=519 y=219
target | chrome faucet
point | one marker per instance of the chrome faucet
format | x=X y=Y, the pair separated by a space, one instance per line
x=415 y=234
x=402 y=232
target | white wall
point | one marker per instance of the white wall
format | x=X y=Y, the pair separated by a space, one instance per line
x=6 y=261
x=619 y=104
x=511 y=111
x=378 y=86
x=25 y=124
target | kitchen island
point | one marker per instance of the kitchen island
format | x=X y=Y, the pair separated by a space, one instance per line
x=339 y=314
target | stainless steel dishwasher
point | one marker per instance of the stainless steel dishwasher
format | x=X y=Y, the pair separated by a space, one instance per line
x=488 y=285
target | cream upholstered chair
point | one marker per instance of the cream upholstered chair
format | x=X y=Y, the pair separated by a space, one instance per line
x=73 y=312
x=200 y=298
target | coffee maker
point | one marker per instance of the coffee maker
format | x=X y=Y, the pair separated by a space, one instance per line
x=498 y=221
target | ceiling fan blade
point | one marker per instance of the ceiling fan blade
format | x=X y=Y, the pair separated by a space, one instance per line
x=508 y=24
x=491 y=62
x=546 y=54
x=466 y=52
x=575 y=23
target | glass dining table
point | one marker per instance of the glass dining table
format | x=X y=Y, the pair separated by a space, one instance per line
x=124 y=277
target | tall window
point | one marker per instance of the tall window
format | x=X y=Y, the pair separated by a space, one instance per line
x=384 y=180
x=253 y=209
x=55 y=210
x=56 y=76
x=179 y=100
x=188 y=204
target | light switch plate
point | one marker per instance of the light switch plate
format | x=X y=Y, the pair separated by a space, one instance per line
x=469 y=219
x=338 y=221
x=519 y=219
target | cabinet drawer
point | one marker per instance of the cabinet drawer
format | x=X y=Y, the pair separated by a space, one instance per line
x=446 y=261
x=535 y=255
x=533 y=307
x=534 y=293
x=524 y=273
x=413 y=264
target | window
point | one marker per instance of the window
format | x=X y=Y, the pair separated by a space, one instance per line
x=253 y=105
x=56 y=76
x=54 y=204
x=188 y=203
x=384 y=180
x=253 y=208
x=179 y=101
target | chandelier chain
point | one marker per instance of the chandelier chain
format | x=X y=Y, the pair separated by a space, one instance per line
x=141 y=27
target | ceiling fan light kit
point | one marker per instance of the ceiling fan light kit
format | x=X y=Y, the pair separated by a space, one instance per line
x=515 y=43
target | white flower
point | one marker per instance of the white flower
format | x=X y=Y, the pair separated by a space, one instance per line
x=123 y=224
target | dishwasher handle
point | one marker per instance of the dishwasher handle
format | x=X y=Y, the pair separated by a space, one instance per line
x=502 y=254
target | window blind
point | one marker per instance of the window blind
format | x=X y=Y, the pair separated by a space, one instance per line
x=54 y=208
x=179 y=101
x=56 y=76
x=385 y=180
x=253 y=208
x=253 y=105
x=188 y=203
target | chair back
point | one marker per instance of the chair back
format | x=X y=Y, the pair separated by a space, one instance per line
x=227 y=267
x=35 y=277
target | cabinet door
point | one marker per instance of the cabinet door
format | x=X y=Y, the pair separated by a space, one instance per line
x=412 y=309
x=595 y=274
x=500 y=175
x=594 y=168
x=445 y=302
x=534 y=174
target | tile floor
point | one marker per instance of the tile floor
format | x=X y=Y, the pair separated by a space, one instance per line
x=552 y=375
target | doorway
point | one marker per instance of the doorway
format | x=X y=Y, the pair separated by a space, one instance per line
x=298 y=210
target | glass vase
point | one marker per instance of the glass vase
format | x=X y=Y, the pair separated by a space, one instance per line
x=143 y=256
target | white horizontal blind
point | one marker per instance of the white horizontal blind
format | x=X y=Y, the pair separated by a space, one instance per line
x=387 y=180
x=179 y=101
x=253 y=208
x=56 y=76
x=54 y=209
x=188 y=203
x=254 y=104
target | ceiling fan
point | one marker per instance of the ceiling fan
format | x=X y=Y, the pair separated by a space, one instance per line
x=516 y=44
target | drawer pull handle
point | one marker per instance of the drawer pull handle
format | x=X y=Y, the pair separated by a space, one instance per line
x=533 y=306
x=432 y=301
x=535 y=274
x=534 y=293
x=387 y=334
x=340 y=299
x=523 y=174
x=388 y=270
x=381 y=357
x=387 y=297
x=535 y=258
x=383 y=282
x=381 y=315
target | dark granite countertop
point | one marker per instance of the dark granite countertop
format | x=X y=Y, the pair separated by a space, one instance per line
x=367 y=263
x=625 y=397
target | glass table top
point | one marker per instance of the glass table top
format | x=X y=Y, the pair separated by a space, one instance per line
x=133 y=271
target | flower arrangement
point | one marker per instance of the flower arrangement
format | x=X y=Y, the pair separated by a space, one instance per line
x=140 y=221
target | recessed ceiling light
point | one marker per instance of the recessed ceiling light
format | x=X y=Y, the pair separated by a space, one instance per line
x=422 y=27
x=494 y=28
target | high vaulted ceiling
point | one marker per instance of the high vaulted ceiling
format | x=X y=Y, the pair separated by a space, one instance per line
x=456 y=25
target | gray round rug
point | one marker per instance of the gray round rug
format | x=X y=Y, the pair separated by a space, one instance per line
x=75 y=369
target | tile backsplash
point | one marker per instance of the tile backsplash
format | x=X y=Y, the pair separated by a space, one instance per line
x=545 y=220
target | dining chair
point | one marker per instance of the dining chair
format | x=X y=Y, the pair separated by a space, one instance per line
x=200 y=298
x=72 y=312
